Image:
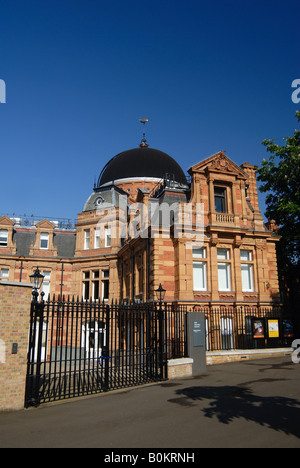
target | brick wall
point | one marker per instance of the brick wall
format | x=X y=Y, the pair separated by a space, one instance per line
x=15 y=299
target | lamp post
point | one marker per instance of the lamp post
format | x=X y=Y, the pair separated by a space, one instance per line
x=37 y=281
x=160 y=295
x=36 y=330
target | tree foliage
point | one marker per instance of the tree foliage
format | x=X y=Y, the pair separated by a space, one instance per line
x=280 y=177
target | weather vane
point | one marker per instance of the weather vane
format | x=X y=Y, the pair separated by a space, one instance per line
x=144 y=143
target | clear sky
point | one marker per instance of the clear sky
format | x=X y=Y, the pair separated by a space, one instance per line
x=210 y=76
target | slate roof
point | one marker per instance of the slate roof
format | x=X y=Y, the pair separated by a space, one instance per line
x=65 y=243
x=23 y=241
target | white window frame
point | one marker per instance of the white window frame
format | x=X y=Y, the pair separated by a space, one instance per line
x=247 y=282
x=3 y=237
x=224 y=267
x=223 y=254
x=247 y=271
x=105 y=283
x=44 y=237
x=97 y=239
x=87 y=239
x=4 y=274
x=199 y=252
x=46 y=284
x=96 y=285
x=199 y=268
x=107 y=236
x=246 y=256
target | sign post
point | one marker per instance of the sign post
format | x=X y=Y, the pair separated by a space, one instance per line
x=196 y=341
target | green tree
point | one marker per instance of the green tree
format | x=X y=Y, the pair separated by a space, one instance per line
x=280 y=177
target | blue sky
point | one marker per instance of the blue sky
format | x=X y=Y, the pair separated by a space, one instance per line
x=210 y=76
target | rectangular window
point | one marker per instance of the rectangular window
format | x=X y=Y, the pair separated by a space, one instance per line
x=4 y=274
x=199 y=273
x=199 y=269
x=140 y=280
x=44 y=241
x=3 y=237
x=105 y=285
x=224 y=270
x=96 y=285
x=46 y=284
x=224 y=276
x=220 y=200
x=247 y=271
x=97 y=239
x=223 y=254
x=86 y=286
x=107 y=237
x=199 y=253
x=246 y=256
x=247 y=278
x=87 y=237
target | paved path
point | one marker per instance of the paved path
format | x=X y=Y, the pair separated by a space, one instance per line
x=248 y=404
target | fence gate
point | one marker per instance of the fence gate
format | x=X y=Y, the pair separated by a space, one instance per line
x=80 y=348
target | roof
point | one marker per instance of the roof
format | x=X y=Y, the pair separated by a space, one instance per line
x=65 y=243
x=106 y=197
x=142 y=162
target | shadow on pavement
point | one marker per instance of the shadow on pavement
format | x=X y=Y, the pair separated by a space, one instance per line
x=231 y=402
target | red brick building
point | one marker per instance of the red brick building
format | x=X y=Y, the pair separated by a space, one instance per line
x=202 y=236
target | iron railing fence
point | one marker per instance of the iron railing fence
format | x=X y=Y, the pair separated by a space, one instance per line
x=82 y=347
x=234 y=328
x=176 y=331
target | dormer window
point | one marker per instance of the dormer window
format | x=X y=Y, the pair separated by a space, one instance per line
x=220 y=200
x=44 y=242
x=3 y=237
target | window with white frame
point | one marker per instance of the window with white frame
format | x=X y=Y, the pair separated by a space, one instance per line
x=95 y=291
x=247 y=271
x=107 y=236
x=105 y=285
x=97 y=239
x=4 y=274
x=44 y=241
x=87 y=239
x=86 y=286
x=46 y=284
x=224 y=270
x=95 y=285
x=199 y=269
x=3 y=237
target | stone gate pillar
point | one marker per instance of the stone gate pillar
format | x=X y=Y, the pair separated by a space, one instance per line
x=15 y=303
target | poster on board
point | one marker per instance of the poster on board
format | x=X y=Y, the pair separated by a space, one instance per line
x=288 y=329
x=273 y=328
x=258 y=328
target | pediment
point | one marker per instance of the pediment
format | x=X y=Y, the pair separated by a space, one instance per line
x=45 y=224
x=5 y=221
x=221 y=164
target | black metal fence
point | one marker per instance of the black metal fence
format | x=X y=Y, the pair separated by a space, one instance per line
x=78 y=348
x=247 y=328
x=82 y=347
x=176 y=331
